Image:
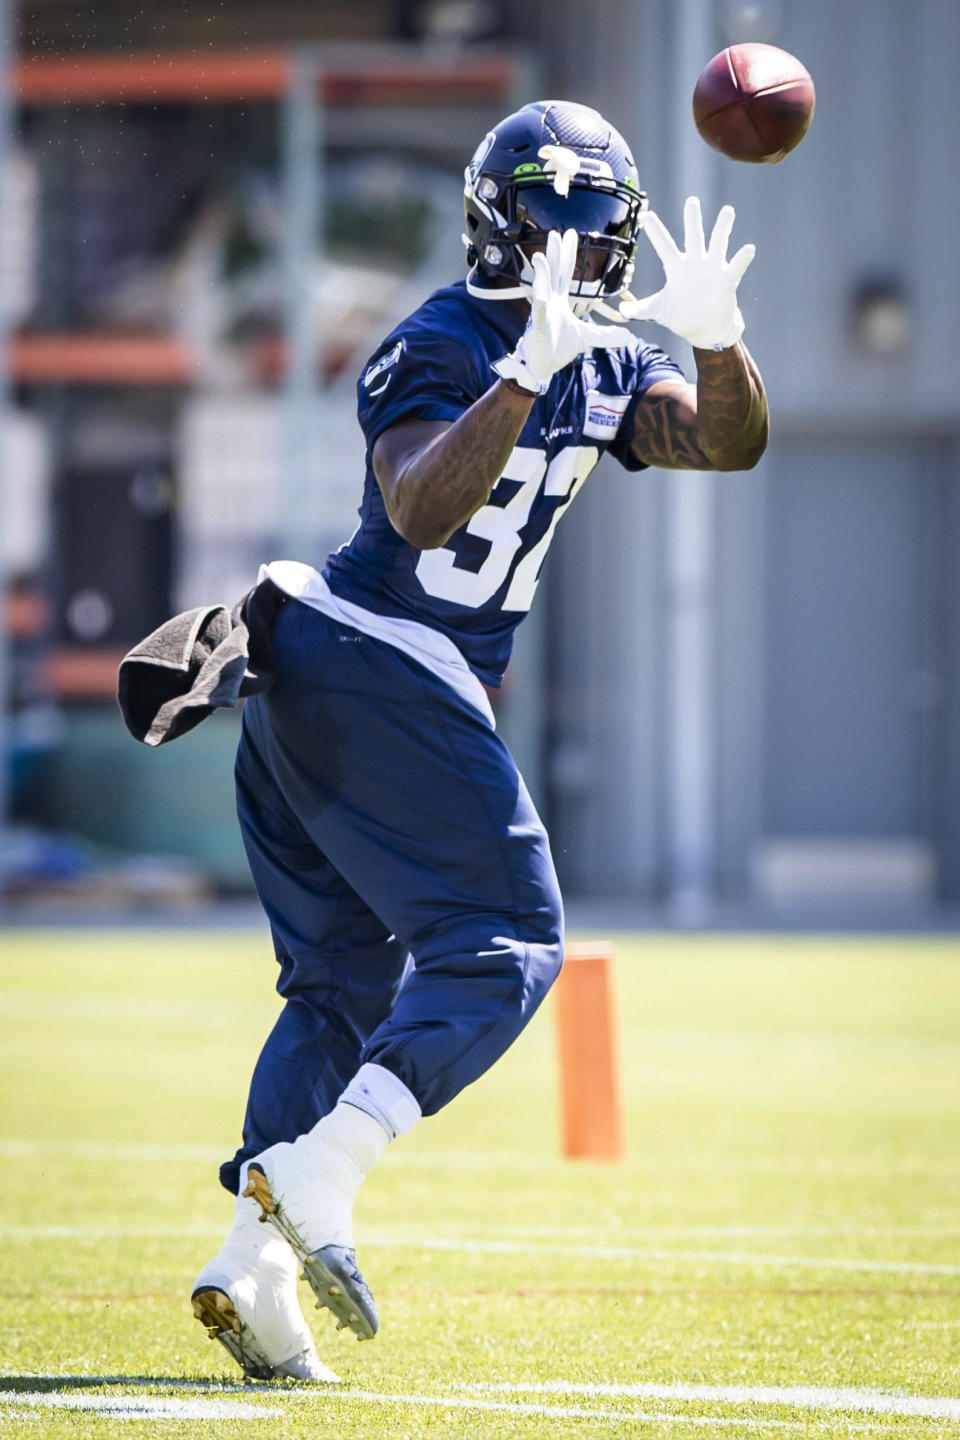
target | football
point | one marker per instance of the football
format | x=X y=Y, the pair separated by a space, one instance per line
x=754 y=102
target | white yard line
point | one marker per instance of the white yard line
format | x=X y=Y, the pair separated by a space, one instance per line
x=124 y=1011
x=804 y=1397
x=721 y=1232
x=484 y=1159
x=581 y=1412
x=793 y=1397
x=135 y=1150
x=211 y=1153
x=467 y=1245
x=159 y=1151
x=137 y=1407
x=108 y=1232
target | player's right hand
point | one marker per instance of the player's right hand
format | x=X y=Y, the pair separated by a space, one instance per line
x=554 y=335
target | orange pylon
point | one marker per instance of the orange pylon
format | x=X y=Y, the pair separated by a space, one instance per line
x=590 y=1094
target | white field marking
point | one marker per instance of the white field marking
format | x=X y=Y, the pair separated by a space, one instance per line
x=134 y=1150
x=108 y=1232
x=827 y=1167
x=736 y=1042
x=91 y=1008
x=138 y=1407
x=792 y=1046
x=573 y=1233
x=483 y=1159
x=635 y=1252
x=163 y=1151
x=582 y=1412
x=803 y=1397
x=132 y=1407
x=466 y=1245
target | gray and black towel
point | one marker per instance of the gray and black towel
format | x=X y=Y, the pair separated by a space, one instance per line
x=199 y=661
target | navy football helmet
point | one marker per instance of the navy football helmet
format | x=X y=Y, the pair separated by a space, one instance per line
x=551 y=166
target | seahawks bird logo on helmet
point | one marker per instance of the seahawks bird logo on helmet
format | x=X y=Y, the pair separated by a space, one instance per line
x=554 y=165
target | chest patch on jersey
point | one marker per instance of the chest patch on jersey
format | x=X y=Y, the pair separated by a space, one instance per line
x=604 y=413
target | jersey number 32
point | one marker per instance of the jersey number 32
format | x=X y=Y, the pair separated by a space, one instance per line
x=502 y=526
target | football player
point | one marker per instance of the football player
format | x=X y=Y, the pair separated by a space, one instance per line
x=406 y=875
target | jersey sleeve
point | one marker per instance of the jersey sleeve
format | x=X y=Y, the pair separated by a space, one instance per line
x=653 y=365
x=423 y=372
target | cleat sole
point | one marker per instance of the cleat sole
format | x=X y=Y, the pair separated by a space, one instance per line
x=218 y=1316
x=339 y=1287
x=331 y=1272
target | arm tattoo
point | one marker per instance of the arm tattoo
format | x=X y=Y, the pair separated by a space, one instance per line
x=434 y=476
x=732 y=415
x=722 y=425
x=455 y=474
x=665 y=431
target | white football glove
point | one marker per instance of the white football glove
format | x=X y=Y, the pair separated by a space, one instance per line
x=699 y=300
x=554 y=335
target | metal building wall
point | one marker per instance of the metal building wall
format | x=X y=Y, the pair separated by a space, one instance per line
x=832 y=705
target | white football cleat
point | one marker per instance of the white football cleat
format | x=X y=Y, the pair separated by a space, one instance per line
x=305 y=1191
x=246 y=1297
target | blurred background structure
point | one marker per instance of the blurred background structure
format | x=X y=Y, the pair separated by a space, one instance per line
x=736 y=692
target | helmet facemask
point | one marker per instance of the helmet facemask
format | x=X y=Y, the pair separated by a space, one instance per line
x=511 y=216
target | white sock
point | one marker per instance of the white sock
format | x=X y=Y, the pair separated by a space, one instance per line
x=345 y=1144
x=384 y=1096
x=316 y=1178
x=374 y=1109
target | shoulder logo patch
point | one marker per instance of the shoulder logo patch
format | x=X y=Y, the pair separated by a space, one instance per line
x=378 y=367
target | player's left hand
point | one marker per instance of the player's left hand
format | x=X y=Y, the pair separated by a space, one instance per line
x=554 y=335
x=699 y=300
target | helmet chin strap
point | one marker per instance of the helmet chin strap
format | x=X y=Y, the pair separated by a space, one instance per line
x=581 y=305
x=495 y=292
x=584 y=305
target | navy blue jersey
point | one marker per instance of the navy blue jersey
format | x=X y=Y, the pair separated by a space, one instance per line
x=478 y=586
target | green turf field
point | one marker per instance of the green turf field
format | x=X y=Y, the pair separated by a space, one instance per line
x=779 y=1256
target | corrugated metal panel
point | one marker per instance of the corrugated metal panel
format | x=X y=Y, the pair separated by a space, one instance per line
x=871 y=193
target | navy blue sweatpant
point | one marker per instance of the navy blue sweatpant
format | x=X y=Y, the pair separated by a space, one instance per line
x=405 y=873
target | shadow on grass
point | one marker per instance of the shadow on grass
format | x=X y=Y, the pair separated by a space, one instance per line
x=51 y=1384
